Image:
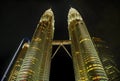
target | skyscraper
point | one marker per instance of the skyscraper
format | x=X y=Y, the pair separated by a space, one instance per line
x=88 y=60
x=87 y=64
x=18 y=62
x=107 y=57
x=36 y=64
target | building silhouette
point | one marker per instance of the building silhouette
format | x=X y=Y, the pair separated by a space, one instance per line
x=88 y=62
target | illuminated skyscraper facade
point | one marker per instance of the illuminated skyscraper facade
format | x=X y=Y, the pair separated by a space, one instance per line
x=87 y=64
x=34 y=63
x=17 y=65
x=107 y=59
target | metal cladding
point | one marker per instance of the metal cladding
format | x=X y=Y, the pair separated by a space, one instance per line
x=107 y=58
x=17 y=65
x=33 y=63
x=87 y=64
x=36 y=64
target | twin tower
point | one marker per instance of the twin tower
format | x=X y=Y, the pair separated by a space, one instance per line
x=35 y=65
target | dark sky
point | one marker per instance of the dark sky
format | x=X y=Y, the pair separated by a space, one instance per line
x=18 y=19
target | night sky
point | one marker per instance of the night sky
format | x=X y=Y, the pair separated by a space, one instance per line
x=18 y=19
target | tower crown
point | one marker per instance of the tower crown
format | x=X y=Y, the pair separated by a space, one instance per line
x=73 y=14
x=48 y=16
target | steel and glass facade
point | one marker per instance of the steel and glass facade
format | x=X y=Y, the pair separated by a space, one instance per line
x=18 y=62
x=91 y=61
x=36 y=64
x=107 y=57
x=87 y=64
